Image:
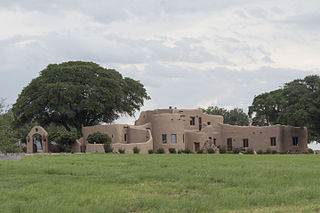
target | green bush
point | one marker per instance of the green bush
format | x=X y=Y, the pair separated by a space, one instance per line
x=210 y=151
x=99 y=138
x=200 y=151
x=222 y=150
x=172 y=150
x=310 y=151
x=259 y=152
x=187 y=151
x=121 y=151
x=268 y=151
x=136 y=150
x=108 y=147
x=150 y=151
x=236 y=150
x=180 y=151
x=249 y=151
x=64 y=138
x=160 y=151
x=274 y=152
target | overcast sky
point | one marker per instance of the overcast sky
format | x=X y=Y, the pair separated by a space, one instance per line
x=187 y=53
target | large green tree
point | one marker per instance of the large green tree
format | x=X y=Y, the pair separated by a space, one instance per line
x=75 y=94
x=296 y=104
x=8 y=136
x=233 y=117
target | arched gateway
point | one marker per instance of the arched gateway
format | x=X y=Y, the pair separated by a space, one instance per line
x=37 y=130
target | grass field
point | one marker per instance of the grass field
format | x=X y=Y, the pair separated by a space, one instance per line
x=160 y=183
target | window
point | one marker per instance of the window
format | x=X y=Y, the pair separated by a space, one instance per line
x=209 y=123
x=125 y=137
x=214 y=141
x=192 y=121
x=245 y=142
x=273 y=141
x=173 y=138
x=164 y=138
x=229 y=144
x=295 y=141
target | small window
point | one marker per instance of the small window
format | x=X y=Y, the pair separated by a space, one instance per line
x=192 y=121
x=173 y=138
x=183 y=138
x=273 y=141
x=229 y=144
x=125 y=137
x=164 y=138
x=209 y=123
x=245 y=142
x=214 y=141
x=295 y=141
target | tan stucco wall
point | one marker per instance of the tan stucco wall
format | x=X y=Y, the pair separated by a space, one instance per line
x=93 y=148
x=167 y=123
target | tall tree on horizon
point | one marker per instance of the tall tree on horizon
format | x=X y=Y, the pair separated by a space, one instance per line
x=75 y=94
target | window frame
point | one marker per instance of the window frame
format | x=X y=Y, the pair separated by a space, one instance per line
x=175 y=138
x=245 y=142
x=164 y=139
x=295 y=141
x=273 y=141
x=192 y=121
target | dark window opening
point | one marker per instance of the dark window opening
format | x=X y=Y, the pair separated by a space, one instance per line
x=200 y=123
x=164 y=138
x=273 y=141
x=192 y=121
x=125 y=137
x=229 y=144
x=214 y=141
x=245 y=142
x=209 y=123
x=295 y=141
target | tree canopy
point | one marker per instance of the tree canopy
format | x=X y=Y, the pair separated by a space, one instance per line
x=233 y=117
x=8 y=136
x=76 y=94
x=296 y=104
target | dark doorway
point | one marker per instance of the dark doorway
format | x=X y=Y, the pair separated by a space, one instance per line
x=196 y=147
x=229 y=144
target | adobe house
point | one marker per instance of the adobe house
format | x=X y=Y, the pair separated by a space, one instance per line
x=192 y=129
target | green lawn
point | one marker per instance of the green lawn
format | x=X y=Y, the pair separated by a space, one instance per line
x=160 y=183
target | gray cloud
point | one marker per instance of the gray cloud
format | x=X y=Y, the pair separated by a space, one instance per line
x=187 y=53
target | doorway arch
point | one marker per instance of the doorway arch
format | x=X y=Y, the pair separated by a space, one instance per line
x=37 y=130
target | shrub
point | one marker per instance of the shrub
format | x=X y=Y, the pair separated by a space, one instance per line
x=236 y=150
x=180 y=151
x=172 y=150
x=99 y=138
x=310 y=151
x=268 y=151
x=121 y=151
x=200 y=151
x=64 y=138
x=136 y=150
x=259 y=152
x=274 y=152
x=222 y=150
x=160 y=151
x=210 y=151
x=150 y=151
x=249 y=151
x=107 y=147
x=187 y=151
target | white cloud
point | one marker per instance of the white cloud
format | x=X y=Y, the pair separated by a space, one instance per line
x=187 y=53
